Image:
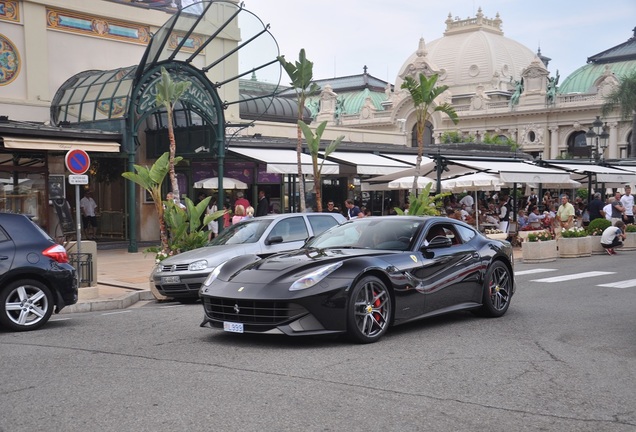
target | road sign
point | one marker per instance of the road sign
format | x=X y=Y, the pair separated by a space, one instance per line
x=77 y=161
x=76 y=179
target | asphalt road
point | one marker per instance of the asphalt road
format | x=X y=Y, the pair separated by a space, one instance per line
x=562 y=359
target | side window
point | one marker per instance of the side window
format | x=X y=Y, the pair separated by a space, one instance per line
x=466 y=234
x=320 y=224
x=297 y=230
x=443 y=230
x=3 y=235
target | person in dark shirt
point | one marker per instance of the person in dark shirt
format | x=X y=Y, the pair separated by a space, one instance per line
x=331 y=208
x=262 y=207
x=353 y=211
x=595 y=207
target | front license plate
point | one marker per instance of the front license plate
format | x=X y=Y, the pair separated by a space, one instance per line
x=233 y=327
x=170 y=279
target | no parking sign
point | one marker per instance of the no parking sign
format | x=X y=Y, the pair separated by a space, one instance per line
x=77 y=161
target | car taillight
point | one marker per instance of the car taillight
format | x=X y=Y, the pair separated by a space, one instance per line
x=57 y=253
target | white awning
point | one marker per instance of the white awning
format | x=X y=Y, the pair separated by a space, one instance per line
x=518 y=171
x=369 y=163
x=282 y=161
x=60 y=145
x=604 y=174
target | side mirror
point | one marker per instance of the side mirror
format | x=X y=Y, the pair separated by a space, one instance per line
x=274 y=239
x=439 y=242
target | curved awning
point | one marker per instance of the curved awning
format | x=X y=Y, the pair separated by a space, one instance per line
x=282 y=161
x=368 y=163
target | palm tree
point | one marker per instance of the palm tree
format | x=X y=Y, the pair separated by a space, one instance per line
x=301 y=75
x=623 y=97
x=313 y=143
x=168 y=93
x=151 y=179
x=424 y=92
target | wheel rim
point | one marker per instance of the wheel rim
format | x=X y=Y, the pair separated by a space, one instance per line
x=499 y=287
x=372 y=309
x=26 y=305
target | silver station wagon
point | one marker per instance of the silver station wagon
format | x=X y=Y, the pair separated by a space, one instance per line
x=181 y=276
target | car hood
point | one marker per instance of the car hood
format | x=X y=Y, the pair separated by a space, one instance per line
x=215 y=255
x=279 y=265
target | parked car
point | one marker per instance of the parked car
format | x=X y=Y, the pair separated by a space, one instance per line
x=181 y=276
x=361 y=278
x=35 y=277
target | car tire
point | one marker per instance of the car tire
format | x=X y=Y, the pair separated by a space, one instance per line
x=369 y=310
x=25 y=305
x=497 y=290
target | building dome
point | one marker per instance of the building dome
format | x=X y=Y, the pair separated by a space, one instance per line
x=619 y=60
x=472 y=51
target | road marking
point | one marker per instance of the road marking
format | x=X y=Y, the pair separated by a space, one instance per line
x=537 y=270
x=60 y=319
x=622 y=284
x=573 y=277
x=118 y=312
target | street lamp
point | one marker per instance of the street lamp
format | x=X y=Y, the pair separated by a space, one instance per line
x=597 y=135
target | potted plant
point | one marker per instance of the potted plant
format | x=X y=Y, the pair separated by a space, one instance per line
x=595 y=230
x=540 y=247
x=574 y=243
x=630 y=237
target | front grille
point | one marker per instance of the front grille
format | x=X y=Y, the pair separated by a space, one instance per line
x=180 y=288
x=254 y=312
x=177 y=267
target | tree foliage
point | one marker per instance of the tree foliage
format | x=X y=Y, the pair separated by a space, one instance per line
x=425 y=204
x=313 y=144
x=423 y=92
x=623 y=97
x=301 y=75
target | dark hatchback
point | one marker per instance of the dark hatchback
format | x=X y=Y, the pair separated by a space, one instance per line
x=35 y=276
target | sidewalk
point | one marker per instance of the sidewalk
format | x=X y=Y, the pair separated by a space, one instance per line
x=123 y=279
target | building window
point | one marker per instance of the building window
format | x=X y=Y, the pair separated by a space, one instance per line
x=577 y=145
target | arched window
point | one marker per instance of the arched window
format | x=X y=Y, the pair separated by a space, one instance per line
x=428 y=135
x=577 y=145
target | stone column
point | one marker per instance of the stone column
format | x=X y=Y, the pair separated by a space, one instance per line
x=612 y=143
x=554 y=142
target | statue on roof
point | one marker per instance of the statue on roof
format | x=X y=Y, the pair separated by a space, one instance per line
x=552 y=89
x=514 y=99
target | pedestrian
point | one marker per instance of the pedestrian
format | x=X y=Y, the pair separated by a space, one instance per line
x=249 y=213
x=213 y=226
x=239 y=214
x=628 y=203
x=227 y=216
x=262 y=208
x=170 y=197
x=565 y=213
x=331 y=208
x=241 y=200
x=617 y=208
x=88 y=208
x=595 y=207
x=612 y=236
x=353 y=211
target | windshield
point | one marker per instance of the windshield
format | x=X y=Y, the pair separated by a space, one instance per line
x=392 y=233
x=247 y=231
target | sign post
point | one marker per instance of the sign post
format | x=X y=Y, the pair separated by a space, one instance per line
x=78 y=162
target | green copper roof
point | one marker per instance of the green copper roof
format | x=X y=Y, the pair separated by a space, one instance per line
x=582 y=80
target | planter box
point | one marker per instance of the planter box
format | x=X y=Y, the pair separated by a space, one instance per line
x=630 y=241
x=538 y=252
x=501 y=236
x=597 y=249
x=575 y=247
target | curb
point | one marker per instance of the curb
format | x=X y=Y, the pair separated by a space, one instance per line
x=103 y=305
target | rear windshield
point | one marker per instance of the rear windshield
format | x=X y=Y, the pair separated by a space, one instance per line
x=247 y=231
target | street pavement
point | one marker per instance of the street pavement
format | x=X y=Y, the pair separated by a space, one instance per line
x=123 y=279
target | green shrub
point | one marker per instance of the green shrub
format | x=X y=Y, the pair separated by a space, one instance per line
x=597 y=226
x=539 y=236
x=630 y=228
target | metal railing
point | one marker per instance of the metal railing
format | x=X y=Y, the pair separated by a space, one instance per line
x=83 y=263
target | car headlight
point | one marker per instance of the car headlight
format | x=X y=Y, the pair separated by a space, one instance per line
x=311 y=279
x=212 y=276
x=198 y=265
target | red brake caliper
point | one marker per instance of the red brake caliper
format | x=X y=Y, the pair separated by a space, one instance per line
x=376 y=304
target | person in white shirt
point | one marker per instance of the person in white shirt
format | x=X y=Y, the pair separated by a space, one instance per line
x=628 y=202
x=469 y=202
x=88 y=206
x=607 y=210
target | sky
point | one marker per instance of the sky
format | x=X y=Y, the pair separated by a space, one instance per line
x=341 y=37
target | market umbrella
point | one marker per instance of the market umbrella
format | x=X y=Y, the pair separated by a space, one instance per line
x=473 y=182
x=213 y=183
x=407 y=182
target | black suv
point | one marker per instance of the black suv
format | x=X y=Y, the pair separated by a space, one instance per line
x=35 y=277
